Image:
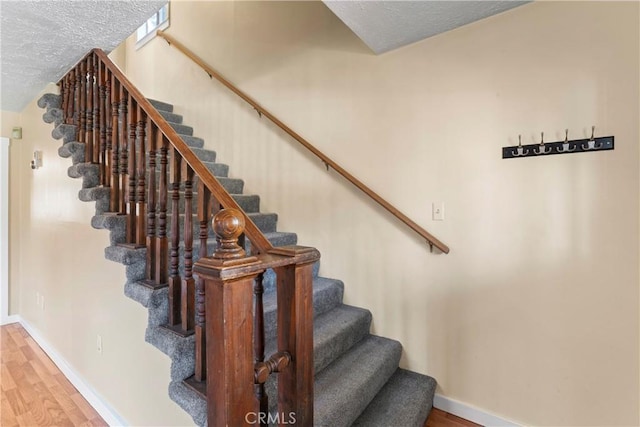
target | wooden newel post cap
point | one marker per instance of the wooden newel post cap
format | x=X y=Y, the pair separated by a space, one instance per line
x=228 y=224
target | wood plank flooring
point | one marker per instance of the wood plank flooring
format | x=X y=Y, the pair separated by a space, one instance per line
x=33 y=390
x=438 y=418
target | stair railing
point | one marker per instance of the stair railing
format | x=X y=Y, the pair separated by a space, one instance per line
x=153 y=175
x=329 y=163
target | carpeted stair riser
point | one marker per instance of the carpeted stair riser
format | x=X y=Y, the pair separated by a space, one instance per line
x=405 y=400
x=345 y=388
x=171 y=117
x=357 y=377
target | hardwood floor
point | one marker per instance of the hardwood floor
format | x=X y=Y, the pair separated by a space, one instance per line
x=34 y=391
x=438 y=418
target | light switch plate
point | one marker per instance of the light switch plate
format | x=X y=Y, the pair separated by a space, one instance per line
x=437 y=212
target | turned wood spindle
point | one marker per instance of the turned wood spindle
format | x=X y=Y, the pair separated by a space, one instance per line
x=131 y=172
x=122 y=150
x=102 y=123
x=152 y=136
x=162 y=242
x=258 y=344
x=114 y=130
x=140 y=231
x=78 y=102
x=204 y=209
x=95 y=85
x=107 y=129
x=174 y=276
x=187 y=298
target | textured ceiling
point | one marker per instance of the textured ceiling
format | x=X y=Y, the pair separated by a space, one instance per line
x=387 y=25
x=41 y=40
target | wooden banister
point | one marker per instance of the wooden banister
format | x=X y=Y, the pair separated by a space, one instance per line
x=433 y=241
x=258 y=239
x=157 y=185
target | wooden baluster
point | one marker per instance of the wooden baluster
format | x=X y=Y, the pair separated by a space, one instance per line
x=229 y=309
x=122 y=150
x=97 y=148
x=76 y=101
x=162 y=242
x=88 y=126
x=187 y=297
x=174 y=275
x=69 y=111
x=258 y=346
x=152 y=135
x=83 y=107
x=102 y=123
x=141 y=172
x=204 y=215
x=295 y=335
x=106 y=129
x=65 y=95
x=131 y=171
x=115 y=148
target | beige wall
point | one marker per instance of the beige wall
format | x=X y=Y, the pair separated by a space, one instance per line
x=54 y=251
x=534 y=314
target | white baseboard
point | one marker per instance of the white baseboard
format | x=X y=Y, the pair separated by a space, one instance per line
x=14 y=318
x=470 y=413
x=106 y=412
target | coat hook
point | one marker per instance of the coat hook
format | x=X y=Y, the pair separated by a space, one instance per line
x=591 y=143
x=520 y=151
x=565 y=145
x=542 y=149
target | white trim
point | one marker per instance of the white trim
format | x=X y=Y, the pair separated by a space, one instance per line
x=4 y=230
x=470 y=413
x=106 y=412
x=14 y=318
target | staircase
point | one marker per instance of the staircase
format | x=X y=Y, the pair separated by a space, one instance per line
x=357 y=378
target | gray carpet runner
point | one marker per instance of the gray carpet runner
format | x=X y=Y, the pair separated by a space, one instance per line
x=358 y=381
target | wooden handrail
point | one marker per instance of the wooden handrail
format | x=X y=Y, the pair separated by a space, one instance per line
x=433 y=241
x=254 y=234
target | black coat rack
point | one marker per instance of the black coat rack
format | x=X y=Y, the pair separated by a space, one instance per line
x=560 y=147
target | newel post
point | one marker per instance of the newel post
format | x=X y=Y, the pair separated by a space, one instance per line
x=229 y=320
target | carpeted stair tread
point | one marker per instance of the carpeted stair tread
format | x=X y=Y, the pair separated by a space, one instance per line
x=405 y=400
x=192 y=141
x=161 y=106
x=205 y=155
x=219 y=170
x=181 y=129
x=170 y=117
x=347 y=386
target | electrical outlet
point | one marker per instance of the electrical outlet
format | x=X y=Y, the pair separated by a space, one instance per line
x=99 y=344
